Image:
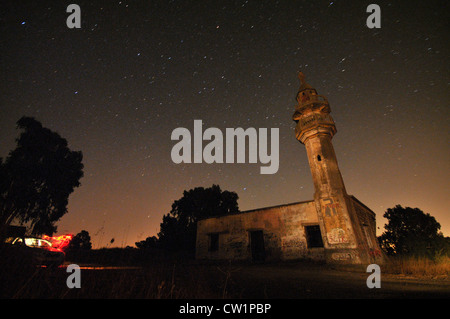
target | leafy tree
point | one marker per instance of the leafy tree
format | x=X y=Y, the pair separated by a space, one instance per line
x=179 y=227
x=37 y=178
x=410 y=231
x=149 y=242
x=81 y=241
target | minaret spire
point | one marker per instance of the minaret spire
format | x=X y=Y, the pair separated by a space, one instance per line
x=301 y=77
x=303 y=84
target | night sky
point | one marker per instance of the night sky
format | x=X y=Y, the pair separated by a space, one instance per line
x=136 y=70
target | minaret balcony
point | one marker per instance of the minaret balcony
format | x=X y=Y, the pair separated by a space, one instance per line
x=313 y=124
x=315 y=119
x=310 y=103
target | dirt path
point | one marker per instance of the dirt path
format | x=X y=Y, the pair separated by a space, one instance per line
x=299 y=280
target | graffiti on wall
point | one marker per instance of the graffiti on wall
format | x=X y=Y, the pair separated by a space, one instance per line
x=333 y=221
x=331 y=208
x=342 y=256
x=292 y=242
x=375 y=253
x=337 y=236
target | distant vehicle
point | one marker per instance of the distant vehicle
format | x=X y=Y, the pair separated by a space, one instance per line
x=37 y=250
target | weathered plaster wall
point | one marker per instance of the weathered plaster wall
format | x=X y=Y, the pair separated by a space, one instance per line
x=367 y=221
x=283 y=230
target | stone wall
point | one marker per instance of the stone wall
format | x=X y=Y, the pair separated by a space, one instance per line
x=283 y=231
x=367 y=221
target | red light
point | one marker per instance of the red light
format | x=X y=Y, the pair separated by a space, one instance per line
x=59 y=242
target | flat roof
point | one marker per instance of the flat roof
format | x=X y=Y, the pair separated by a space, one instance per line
x=258 y=209
x=283 y=205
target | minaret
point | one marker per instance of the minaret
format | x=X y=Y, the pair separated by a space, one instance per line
x=341 y=230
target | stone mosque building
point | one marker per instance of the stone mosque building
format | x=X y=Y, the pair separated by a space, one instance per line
x=334 y=227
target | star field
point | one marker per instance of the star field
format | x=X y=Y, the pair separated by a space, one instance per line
x=136 y=70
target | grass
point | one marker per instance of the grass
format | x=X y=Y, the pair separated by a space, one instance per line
x=163 y=281
x=420 y=267
x=164 y=277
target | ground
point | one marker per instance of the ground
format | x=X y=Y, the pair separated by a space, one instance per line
x=305 y=280
x=191 y=279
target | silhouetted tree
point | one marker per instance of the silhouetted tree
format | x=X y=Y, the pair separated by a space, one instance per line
x=37 y=178
x=410 y=231
x=179 y=227
x=149 y=242
x=81 y=241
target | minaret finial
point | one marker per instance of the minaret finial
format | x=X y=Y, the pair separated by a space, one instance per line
x=303 y=84
x=301 y=77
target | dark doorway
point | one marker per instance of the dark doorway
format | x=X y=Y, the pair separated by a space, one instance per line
x=257 y=245
x=313 y=236
x=213 y=242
